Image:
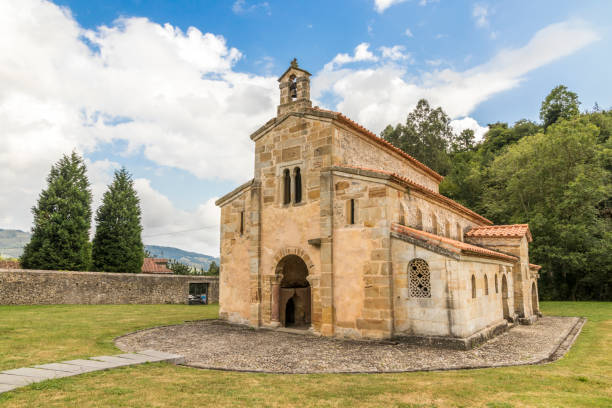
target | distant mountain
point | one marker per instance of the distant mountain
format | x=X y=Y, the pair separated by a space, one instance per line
x=13 y=241
x=189 y=258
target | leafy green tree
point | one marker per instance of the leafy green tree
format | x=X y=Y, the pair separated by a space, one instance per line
x=179 y=268
x=62 y=219
x=427 y=136
x=213 y=269
x=117 y=245
x=560 y=103
x=555 y=181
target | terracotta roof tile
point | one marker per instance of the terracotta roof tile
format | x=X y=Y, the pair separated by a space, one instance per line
x=451 y=244
x=534 y=266
x=155 y=265
x=351 y=123
x=426 y=191
x=501 y=231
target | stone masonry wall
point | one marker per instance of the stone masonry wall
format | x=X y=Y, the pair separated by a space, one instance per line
x=353 y=149
x=31 y=287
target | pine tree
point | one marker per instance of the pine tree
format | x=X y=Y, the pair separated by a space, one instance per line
x=117 y=245
x=62 y=219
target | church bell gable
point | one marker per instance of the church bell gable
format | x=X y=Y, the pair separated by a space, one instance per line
x=294 y=87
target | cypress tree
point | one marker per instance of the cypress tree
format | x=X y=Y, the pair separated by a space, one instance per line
x=117 y=245
x=62 y=219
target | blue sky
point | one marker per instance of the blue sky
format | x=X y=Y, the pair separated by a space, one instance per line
x=172 y=89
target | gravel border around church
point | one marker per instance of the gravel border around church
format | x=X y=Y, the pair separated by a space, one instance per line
x=213 y=344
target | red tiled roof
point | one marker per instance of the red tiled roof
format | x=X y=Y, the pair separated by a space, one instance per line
x=501 y=231
x=155 y=265
x=428 y=192
x=450 y=244
x=351 y=123
x=534 y=266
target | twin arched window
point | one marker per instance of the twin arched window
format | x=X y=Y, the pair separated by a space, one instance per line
x=297 y=184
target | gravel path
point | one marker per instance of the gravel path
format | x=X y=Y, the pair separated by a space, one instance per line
x=218 y=345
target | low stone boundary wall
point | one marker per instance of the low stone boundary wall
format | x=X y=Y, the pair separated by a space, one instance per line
x=5 y=264
x=33 y=287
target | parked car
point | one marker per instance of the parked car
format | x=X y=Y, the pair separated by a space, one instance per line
x=198 y=299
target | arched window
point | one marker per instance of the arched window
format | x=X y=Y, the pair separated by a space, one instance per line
x=447 y=229
x=496 y=287
x=298 y=185
x=473 y=287
x=459 y=232
x=419 y=219
x=286 y=187
x=434 y=224
x=420 y=281
x=486 y=285
x=292 y=87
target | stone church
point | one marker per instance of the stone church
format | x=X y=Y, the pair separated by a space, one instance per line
x=342 y=234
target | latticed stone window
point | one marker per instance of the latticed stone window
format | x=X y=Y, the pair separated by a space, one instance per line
x=420 y=279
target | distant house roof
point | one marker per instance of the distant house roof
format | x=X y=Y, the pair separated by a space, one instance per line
x=155 y=265
x=501 y=231
x=449 y=244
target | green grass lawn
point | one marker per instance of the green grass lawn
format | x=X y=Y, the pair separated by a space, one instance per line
x=38 y=334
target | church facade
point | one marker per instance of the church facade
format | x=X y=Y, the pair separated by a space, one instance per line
x=343 y=234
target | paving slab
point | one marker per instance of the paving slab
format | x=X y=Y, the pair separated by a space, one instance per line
x=7 y=387
x=16 y=380
x=38 y=373
x=20 y=377
x=171 y=358
x=99 y=365
x=141 y=358
x=117 y=360
x=68 y=368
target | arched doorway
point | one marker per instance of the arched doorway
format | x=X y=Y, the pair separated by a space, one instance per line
x=534 y=299
x=505 y=298
x=294 y=303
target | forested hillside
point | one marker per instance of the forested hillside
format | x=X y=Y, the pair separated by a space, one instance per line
x=554 y=175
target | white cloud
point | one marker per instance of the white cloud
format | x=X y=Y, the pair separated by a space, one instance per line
x=384 y=93
x=164 y=224
x=395 y=53
x=382 y=5
x=241 y=7
x=434 y=63
x=480 y=12
x=362 y=53
x=459 y=125
x=408 y=33
x=173 y=96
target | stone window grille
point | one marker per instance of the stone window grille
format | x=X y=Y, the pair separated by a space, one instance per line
x=298 y=185
x=286 y=187
x=486 y=285
x=473 y=287
x=420 y=279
